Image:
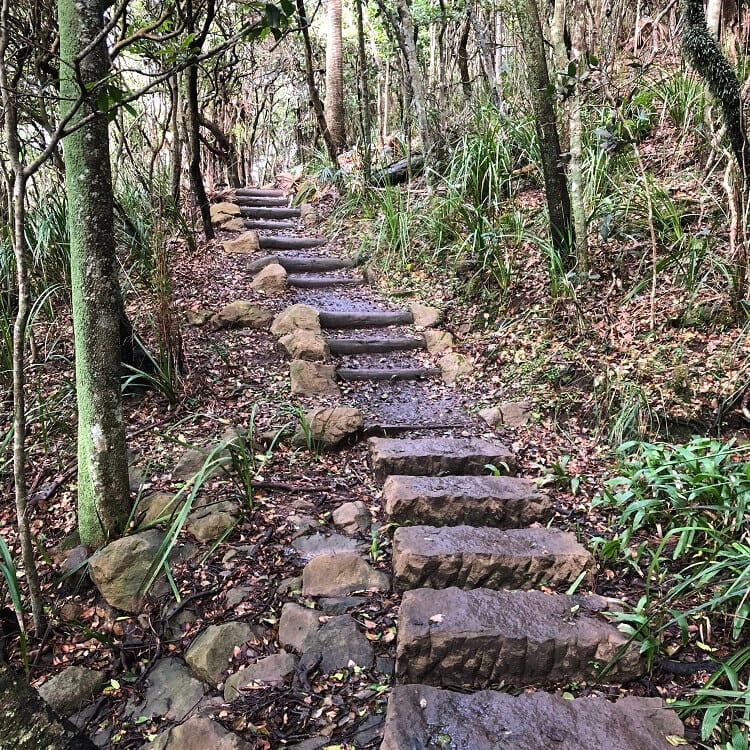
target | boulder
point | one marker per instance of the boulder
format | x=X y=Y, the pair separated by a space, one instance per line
x=71 y=689
x=297 y=626
x=119 y=570
x=270 y=280
x=425 y=316
x=247 y=242
x=437 y=341
x=455 y=366
x=209 y=654
x=271 y=670
x=312 y=379
x=197 y=733
x=242 y=314
x=305 y=344
x=341 y=644
x=294 y=317
x=158 y=506
x=328 y=426
x=341 y=575
x=352 y=517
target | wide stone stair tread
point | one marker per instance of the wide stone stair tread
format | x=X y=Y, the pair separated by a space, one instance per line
x=482 y=637
x=262 y=192
x=374 y=344
x=438 y=455
x=268 y=242
x=470 y=557
x=318 y=282
x=502 y=502
x=262 y=200
x=424 y=717
x=387 y=373
x=365 y=319
x=270 y=225
x=271 y=212
x=302 y=263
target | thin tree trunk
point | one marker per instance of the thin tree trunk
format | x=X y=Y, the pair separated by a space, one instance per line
x=194 y=146
x=334 y=104
x=713 y=17
x=462 y=57
x=176 y=155
x=485 y=54
x=364 y=95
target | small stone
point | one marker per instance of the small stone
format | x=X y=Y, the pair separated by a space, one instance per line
x=352 y=517
x=328 y=426
x=198 y=317
x=72 y=688
x=425 y=316
x=74 y=565
x=341 y=643
x=294 y=317
x=340 y=605
x=341 y=575
x=455 y=366
x=222 y=212
x=209 y=654
x=304 y=344
x=492 y=416
x=297 y=626
x=158 y=506
x=197 y=733
x=208 y=522
x=236 y=224
x=242 y=314
x=438 y=341
x=290 y=586
x=271 y=279
x=236 y=595
x=309 y=215
x=271 y=670
x=247 y=242
x=312 y=379
x=302 y=524
x=516 y=413
x=189 y=464
x=313 y=545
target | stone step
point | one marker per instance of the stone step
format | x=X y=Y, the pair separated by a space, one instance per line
x=373 y=319
x=503 y=502
x=262 y=200
x=481 y=637
x=270 y=225
x=375 y=344
x=432 y=456
x=420 y=716
x=259 y=192
x=276 y=242
x=272 y=212
x=321 y=282
x=387 y=373
x=469 y=557
x=302 y=263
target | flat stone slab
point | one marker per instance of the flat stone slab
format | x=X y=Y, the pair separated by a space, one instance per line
x=431 y=456
x=424 y=717
x=469 y=558
x=483 y=637
x=503 y=502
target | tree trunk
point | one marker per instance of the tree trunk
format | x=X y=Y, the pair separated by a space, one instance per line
x=176 y=155
x=334 y=106
x=103 y=487
x=488 y=61
x=364 y=95
x=462 y=57
x=194 y=146
x=227 y=151
x=713 y=17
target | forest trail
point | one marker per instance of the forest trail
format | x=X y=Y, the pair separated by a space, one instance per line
x=489 y=592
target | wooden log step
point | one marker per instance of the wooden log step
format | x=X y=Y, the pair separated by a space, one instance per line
x=320 y=282
x=302 y=263
x=375 y=344
x=502 y=502
x=261 y=201
x=253 y=191
x=374 y=319
x=396 y=373
x=272 y=212
x=274 y=242
x=270 y=225
x=433 y=456
x=418 y=714
x=483 y=637
x=469 y=557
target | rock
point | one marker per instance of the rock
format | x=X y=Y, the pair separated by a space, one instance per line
x=74 y=566
x=233 y=225
x=352 y=517
x=469 y=557
x=492 y=416
x=340 y=644
x=68 y=691
x=247 y=242
x=298 y=626
x=171 y=693
x=313 y=545
x=455 y=366
x=290 y=586
x=479 y=637
x=272 y=670
x=222 y=212
x=193 y=461
x=302 y=524
x=341 y=575
x=437 y=456
x=313 y=379
x=242 y=314
x=159 y=506
x=312 y=743
x=385 y=664
x=304 y=344
x=198 y=317
x=236 y=595
x=340 y=605
x=516 y=413
x=271 y=279
x=209 y=654
x=425 y=316
x=119 y=570
x=438 y=341
x=309 y=215
x=328 y=426
x=197 y=733
x=294 y=317
x=370 y=731
x=503 y=502
x=208 y=522
x=417 y=714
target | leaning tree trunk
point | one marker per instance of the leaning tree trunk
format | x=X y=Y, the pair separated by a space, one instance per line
x=194 y=147
x=103 y=487
x=334 y=106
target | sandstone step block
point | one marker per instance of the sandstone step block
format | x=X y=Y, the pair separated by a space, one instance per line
x=431 y=456
x=420 y=716
x=467 y=557
x=482 y=637
x=502 y=502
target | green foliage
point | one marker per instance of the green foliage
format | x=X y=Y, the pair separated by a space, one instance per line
x=10 y=575
x=683 y=98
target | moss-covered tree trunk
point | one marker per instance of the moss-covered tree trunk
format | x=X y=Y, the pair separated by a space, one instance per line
x=103 y=489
